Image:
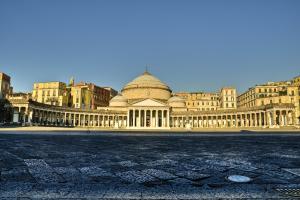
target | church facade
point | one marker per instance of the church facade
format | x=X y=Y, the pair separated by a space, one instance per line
x=148 y=103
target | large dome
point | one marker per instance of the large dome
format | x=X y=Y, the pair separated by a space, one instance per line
x=146 y=86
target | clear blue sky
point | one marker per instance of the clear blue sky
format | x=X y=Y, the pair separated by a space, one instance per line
x=190 y=45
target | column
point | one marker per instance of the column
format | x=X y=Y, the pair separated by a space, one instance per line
x=151 y=120
x=74 y=118
x=156 y=118
x=65 y=119
x=133 y=124
x=138 y=121
x=269 y=118
x=168 y=119
x=274 y=117
x=128 y=118
x=145 y=115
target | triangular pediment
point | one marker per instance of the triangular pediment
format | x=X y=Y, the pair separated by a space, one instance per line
x=149 y=103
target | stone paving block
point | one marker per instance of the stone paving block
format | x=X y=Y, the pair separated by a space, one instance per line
x=266 y=179
x=192 y=167
x=127 y=163
x=295 y=171
x=159 y=174
x=180 y=181
x=16 y=174
x=68 y=191
x=219 y=162
x=41 y=171
x=265 y=166
x=136 y=177
x=232 y=163
x=94 y=171
x=192 y=175
x=248 y=168
x=70 y=174
x=158 y=192
x=119 y=191
x=208 y=168
x=280 y=174
x=160 y=162
x=187 y=192
x=10 y=160
x=216 y=182
x=234 y=192
x=234 y=171
x=51 y=191
x=283 y=155
x=14 y=189
x=257 y=191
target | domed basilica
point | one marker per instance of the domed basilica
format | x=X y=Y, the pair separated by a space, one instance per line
x=148 y=102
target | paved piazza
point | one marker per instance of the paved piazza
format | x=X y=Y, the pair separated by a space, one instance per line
x=148 y=166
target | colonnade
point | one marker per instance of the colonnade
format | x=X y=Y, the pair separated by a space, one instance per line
x=56 y=118
x=268 y=118
x=156 y=117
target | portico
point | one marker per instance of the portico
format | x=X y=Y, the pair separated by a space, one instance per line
x=149 y=114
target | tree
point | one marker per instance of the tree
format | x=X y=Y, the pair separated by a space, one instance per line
x=6 y=111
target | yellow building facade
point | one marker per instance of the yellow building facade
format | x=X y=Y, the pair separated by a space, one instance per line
x=200 y=101
x=283 y=92
x=207 y=101
x=51 y=93
x=88 y=96
x=80 y=96
x=228 y=98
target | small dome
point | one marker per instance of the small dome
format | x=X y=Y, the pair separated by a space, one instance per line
x=176 y=101
x=118 y=100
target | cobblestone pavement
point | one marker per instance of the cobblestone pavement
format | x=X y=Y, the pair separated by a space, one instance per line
x=148 y=166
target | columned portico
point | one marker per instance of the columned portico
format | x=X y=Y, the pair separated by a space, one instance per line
x=148 y=118
x=149 y=114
